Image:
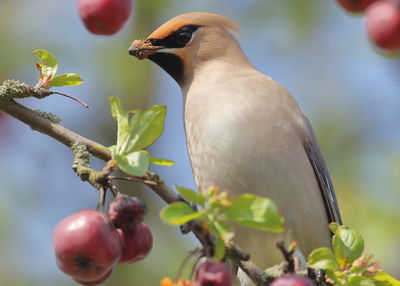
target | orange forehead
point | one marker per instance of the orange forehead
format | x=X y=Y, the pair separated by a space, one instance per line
x=195 y=18
x=167 y=29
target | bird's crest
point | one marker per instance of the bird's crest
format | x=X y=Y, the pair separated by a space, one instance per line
x=195 y=18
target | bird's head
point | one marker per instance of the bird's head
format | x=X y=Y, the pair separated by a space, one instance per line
x=186 y=42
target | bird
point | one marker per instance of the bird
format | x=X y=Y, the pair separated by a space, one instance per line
x=245 y=132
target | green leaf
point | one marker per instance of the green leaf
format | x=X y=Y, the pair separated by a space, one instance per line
x=48 y=65
x=348 y=245
x=322 y=258
x=219 y=249
x=65 y=79
x=331 y=275
x=110 y=149
x=359 y=281
x=178 y=213
x=135 y=163
x=145 y=127
x=122 y=118
x=161 y=161
x=333 y=226
x=255 y=212
x=139 y=131
x=190 y=196
x=222 y=230
x=384 y=279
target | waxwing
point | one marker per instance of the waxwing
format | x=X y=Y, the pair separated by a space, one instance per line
x=245 y=132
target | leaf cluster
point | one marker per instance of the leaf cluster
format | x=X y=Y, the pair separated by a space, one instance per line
x=348 y=263
x=137 y=129
x=47 y=67
x=218 y=209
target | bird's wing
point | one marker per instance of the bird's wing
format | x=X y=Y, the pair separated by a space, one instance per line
x=322 y=175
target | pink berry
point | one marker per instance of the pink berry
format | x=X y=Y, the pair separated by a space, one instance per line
x=355 y=6
x=125 y=211
x=86 y=245
x=104 y=17
x=212 y=273
x=136 y=243
x=292 y=280
x=383 y=24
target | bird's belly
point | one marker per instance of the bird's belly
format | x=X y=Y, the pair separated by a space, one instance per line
x=244 y=160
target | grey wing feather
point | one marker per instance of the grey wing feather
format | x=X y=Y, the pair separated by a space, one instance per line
x=322 y=175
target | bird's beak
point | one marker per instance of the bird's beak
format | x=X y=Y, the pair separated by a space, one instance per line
x=142 y=49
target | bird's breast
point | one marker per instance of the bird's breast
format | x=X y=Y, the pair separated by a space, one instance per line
x=235 y=132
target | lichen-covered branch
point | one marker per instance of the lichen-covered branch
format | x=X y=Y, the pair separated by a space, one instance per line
x=44 y=125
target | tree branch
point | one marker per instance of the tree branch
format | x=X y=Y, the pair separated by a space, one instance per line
x=43 y=125
x=49 y=127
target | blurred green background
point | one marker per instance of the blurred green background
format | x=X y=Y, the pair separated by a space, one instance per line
x=350 y=92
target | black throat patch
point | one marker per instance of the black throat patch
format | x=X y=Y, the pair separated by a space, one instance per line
x=171 y=63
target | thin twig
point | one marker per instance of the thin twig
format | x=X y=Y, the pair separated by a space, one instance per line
x=185 y=261
x=194 y=267
x=288 y=255
x=71 y=97
x=133 y=179
x=102 y=199
x=114 y=190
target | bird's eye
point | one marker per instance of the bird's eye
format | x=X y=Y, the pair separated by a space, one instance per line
x=182 y=38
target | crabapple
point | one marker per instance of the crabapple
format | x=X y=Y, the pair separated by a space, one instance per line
x=95 y=282
x=355 y=6
x=136 y=243
x=126 y=211
x=383 y=24
x=212 y=273
x=104 y=17
x=86 y=245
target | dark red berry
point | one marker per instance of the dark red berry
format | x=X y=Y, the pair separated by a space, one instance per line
x=292 y=280
x=104 y=17
x=212 y=273
x=95 y=282
x=86 y=245
x=136 y=243
x=383 y=24
x=125 y=211
x=355 y=6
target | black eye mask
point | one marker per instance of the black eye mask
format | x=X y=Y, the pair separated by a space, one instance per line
x=177 y=39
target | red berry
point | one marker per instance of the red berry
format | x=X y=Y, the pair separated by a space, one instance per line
x=383 y=24
x=125 y=211
x=136 y=243
x=355 y=6
x=86 y=245
x=212 y=273
x=104 y=17
x=95 y=282
x=292 y=280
